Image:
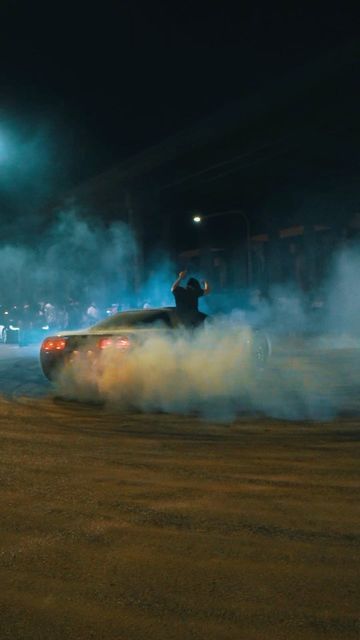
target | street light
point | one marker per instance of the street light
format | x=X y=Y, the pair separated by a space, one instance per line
x=197 y=219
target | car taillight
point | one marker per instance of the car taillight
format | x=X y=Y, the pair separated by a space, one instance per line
x=115 y=342
x=53 y=344
x=104 y=343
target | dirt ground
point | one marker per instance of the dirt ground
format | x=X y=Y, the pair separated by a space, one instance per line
x=131 y=526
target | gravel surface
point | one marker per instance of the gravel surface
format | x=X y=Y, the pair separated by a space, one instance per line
x=124 y=526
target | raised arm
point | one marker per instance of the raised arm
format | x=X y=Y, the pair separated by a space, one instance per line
x=180 y=277
x=206 y=287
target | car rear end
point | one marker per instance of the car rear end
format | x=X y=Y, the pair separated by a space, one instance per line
x=58 y=351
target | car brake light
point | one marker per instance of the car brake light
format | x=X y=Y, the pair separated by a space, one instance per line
x=104 y=343
x=119 y=342
x=53 y=344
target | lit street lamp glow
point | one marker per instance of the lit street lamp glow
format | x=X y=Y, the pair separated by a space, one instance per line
x=239 y=212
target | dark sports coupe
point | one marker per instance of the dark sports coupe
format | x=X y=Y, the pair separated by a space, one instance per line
x=123 y=332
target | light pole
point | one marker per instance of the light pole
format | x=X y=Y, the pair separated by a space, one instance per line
x=198 y=219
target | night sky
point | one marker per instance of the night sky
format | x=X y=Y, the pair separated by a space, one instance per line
x=102 y=81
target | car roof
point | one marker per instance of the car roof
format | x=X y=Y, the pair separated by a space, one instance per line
x=135 y=317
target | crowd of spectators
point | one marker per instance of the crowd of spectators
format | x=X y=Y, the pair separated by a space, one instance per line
x=54 y=316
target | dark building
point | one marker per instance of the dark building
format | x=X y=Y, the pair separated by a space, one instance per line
x=274 y=178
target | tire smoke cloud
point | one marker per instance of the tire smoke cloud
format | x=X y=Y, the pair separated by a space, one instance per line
x=313 y=372
x=213 y=372
x=315 y=351
x=75 y=257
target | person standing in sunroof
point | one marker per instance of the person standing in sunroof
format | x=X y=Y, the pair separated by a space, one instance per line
x=187 y=299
